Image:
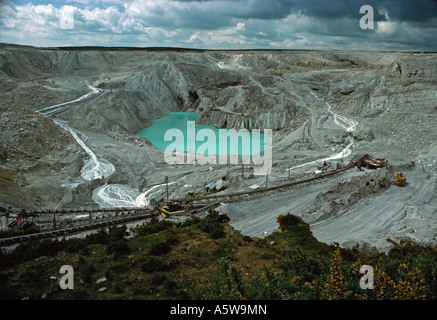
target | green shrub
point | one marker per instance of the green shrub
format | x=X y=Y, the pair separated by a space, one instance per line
x=49 y=247
x=6 y=290
x=152 y=264
x=171 y=238
x=117 y=233
x=285 y=222
x=160 y=248
x=117 y=287
x=247 y=238
x=86 y=270
x=99 y=237
x=118 y=248
x=157 y=279
x=169 y=285
x=260 y=289
x=119 y=268
x=226 y=284
x=212 y=224
x=153 y=227
x=31 y=275
x=190 y=222
x=75 y=245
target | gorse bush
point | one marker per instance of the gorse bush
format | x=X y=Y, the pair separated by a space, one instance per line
x=103 y=237
x=159 y=248
x=197 y=259
x=31 y=250
x=226 y=284
x=285 y=222
x=152 y=264
x=303 y=276
x=117 y=233
x=75 y=245
x=334 y=288
x=86 y=271
x=152 y=227
x=212 y=224
x=117 y=247
x=99 y=237
x=190 y=222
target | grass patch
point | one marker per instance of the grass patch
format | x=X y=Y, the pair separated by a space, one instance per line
x=207 y=258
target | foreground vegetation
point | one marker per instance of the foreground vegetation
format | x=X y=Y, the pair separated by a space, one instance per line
x=207 y=259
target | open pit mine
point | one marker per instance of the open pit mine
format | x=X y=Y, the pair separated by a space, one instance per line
x=353 y=140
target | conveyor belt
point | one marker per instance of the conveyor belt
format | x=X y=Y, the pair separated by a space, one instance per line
x=284 y=185
x=132 y=214
x=88 y=226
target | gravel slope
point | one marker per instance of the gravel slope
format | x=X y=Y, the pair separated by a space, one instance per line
x=309 y=99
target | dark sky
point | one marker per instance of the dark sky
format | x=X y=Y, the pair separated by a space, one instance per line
x=221 y=24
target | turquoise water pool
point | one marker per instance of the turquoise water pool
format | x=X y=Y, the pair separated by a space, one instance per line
x=183 y=134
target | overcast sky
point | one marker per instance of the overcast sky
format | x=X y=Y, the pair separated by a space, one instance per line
x=221 y=24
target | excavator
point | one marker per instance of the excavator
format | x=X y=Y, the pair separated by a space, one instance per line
x=401 y=180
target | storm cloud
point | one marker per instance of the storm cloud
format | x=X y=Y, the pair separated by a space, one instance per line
x=221 y=24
